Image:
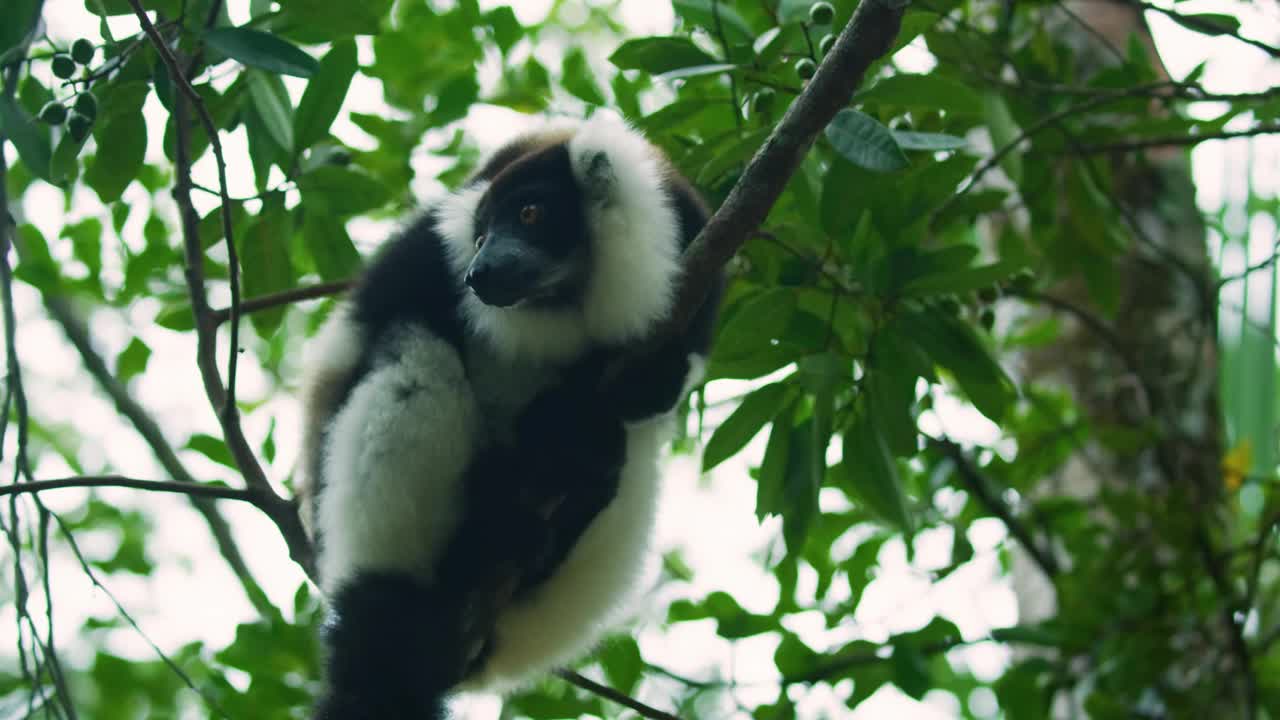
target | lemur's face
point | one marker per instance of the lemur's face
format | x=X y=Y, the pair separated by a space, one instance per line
x=532 y=245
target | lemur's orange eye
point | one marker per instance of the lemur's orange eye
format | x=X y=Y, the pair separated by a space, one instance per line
x=530 y=214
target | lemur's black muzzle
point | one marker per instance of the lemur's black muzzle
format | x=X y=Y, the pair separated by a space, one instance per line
x=505 y=271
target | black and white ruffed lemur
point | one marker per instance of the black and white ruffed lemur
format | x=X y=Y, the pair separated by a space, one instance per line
x=464 y=374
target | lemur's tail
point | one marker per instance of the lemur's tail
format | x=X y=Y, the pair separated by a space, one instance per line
x=388 y=642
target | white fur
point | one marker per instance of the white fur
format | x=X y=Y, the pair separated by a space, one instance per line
x=398 y=450
x=635 y=251
x=329 y=358
x=637 y=248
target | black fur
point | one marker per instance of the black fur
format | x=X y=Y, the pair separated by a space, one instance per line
x=387 y=638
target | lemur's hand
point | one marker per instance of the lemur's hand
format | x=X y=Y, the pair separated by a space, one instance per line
x=649 y=385
x=573 y=424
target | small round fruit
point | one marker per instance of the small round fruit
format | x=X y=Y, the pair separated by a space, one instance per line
x=822 y=13
x=78 y=125
x=763 y=101
x=805 y=68
x=826 y=43
x=63 y=66
x=82 y=51
x=87 y=105
x=54 y=113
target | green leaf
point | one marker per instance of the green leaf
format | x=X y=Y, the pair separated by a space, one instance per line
x=122 y=146
x=622 y=662
x=755 y=323
x=1208 y=23
x=579 y=79
x=36 y=266
x=1004 y=131
x=259 y=49
x=840 y=207
x=803 y=480
x=64 y=166
x=962 y=281
x=271 y=102
x=697 y=71
x=323 y=97
x=1022 y=691
x=932 y=92
x=859 y=568
x=341 y=191
x=132 y=361
x=704 y=13
x=29 y=137
x=657 y=55
x=86 y=243
x=910 y=670
x=732 y=621
x=863 y=141
x=891 y=390
x=771 y=489
x=506 y=29
x=869 y=473
x=953 y=345
x=177 y=317
x=744 y=423
x=326 y=239
x=265 y=263
x=932 y=142
x=211 y=447
x=122 y=7
x=914 y=22
x=339 y=19
x=793 y=658
x=20 y=20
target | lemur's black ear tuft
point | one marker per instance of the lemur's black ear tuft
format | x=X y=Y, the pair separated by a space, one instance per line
x=600 y=180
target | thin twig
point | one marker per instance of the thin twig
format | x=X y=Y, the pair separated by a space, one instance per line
x=609 y=693
x=1205 y=26
x=1030 y=131
x=77 y=333
x=166 y=486
x=287 y=297
x=179 y=78
x=1256 y=267
x=1176 y=140
x=980 y=488
x=282 y=512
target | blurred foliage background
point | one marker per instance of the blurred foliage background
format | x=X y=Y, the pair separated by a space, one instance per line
x=993 y=296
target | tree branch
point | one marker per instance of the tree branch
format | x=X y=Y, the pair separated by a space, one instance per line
x=1176 y=140
x=978 y=486
x=867 y=37
x=78 y=335
x=282 y=512
x=86 y=481
x=287 y=297
x=609 y=693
